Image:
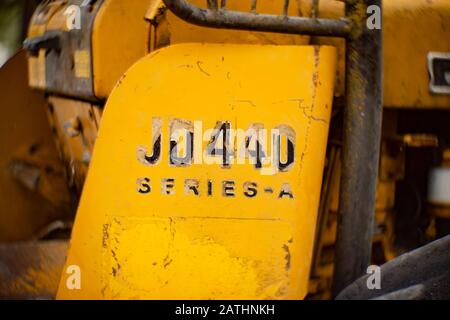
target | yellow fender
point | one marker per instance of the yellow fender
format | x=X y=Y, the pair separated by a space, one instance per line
x=174 y=207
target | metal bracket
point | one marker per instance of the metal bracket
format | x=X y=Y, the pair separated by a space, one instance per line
x=218 y=16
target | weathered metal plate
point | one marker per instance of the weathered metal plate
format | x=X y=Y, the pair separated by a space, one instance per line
x=66 y=70
x=173 y=206
x=98 y=41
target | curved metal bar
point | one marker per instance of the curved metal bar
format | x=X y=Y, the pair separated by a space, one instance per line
x=227 y=19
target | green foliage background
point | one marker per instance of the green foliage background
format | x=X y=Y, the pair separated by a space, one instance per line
x=14 y=18
x=11 y=24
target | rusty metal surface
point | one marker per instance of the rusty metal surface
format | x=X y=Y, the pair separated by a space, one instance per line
x=64 y=50
x=31 y=270
x=75 y=126
x=361 y=147
x=217 y=16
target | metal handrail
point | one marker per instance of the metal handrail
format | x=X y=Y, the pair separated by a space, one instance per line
x=218 y=16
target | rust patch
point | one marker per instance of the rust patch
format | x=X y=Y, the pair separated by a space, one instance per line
x=121 y=80
x=286 y=249
x=105 y=235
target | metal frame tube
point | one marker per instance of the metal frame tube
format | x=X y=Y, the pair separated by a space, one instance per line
x=227 y=19
x=361 y=147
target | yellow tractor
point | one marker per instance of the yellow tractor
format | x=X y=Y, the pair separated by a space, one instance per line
x=240 y=149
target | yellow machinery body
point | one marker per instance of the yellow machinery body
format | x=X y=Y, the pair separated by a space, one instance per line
x=119 y=36
x=81 y=71
x=261 y=247
x=33 y=189
x=202 y=229
x=90 y=58
x=411 y=30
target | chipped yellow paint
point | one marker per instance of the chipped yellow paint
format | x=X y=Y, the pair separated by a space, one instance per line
x=82 y=60
x=183 y=246
x=119 y=38
x=411 y=30
x=170 y=250
x=36 y=71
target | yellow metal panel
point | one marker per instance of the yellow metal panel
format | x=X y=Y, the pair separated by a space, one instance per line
x=119 y=39
x=36 y=71
x=144 y=239
x=170 y=250
x=411 y=29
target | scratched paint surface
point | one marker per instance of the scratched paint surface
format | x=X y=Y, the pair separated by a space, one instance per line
x=171 y=249
x=143 y=232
